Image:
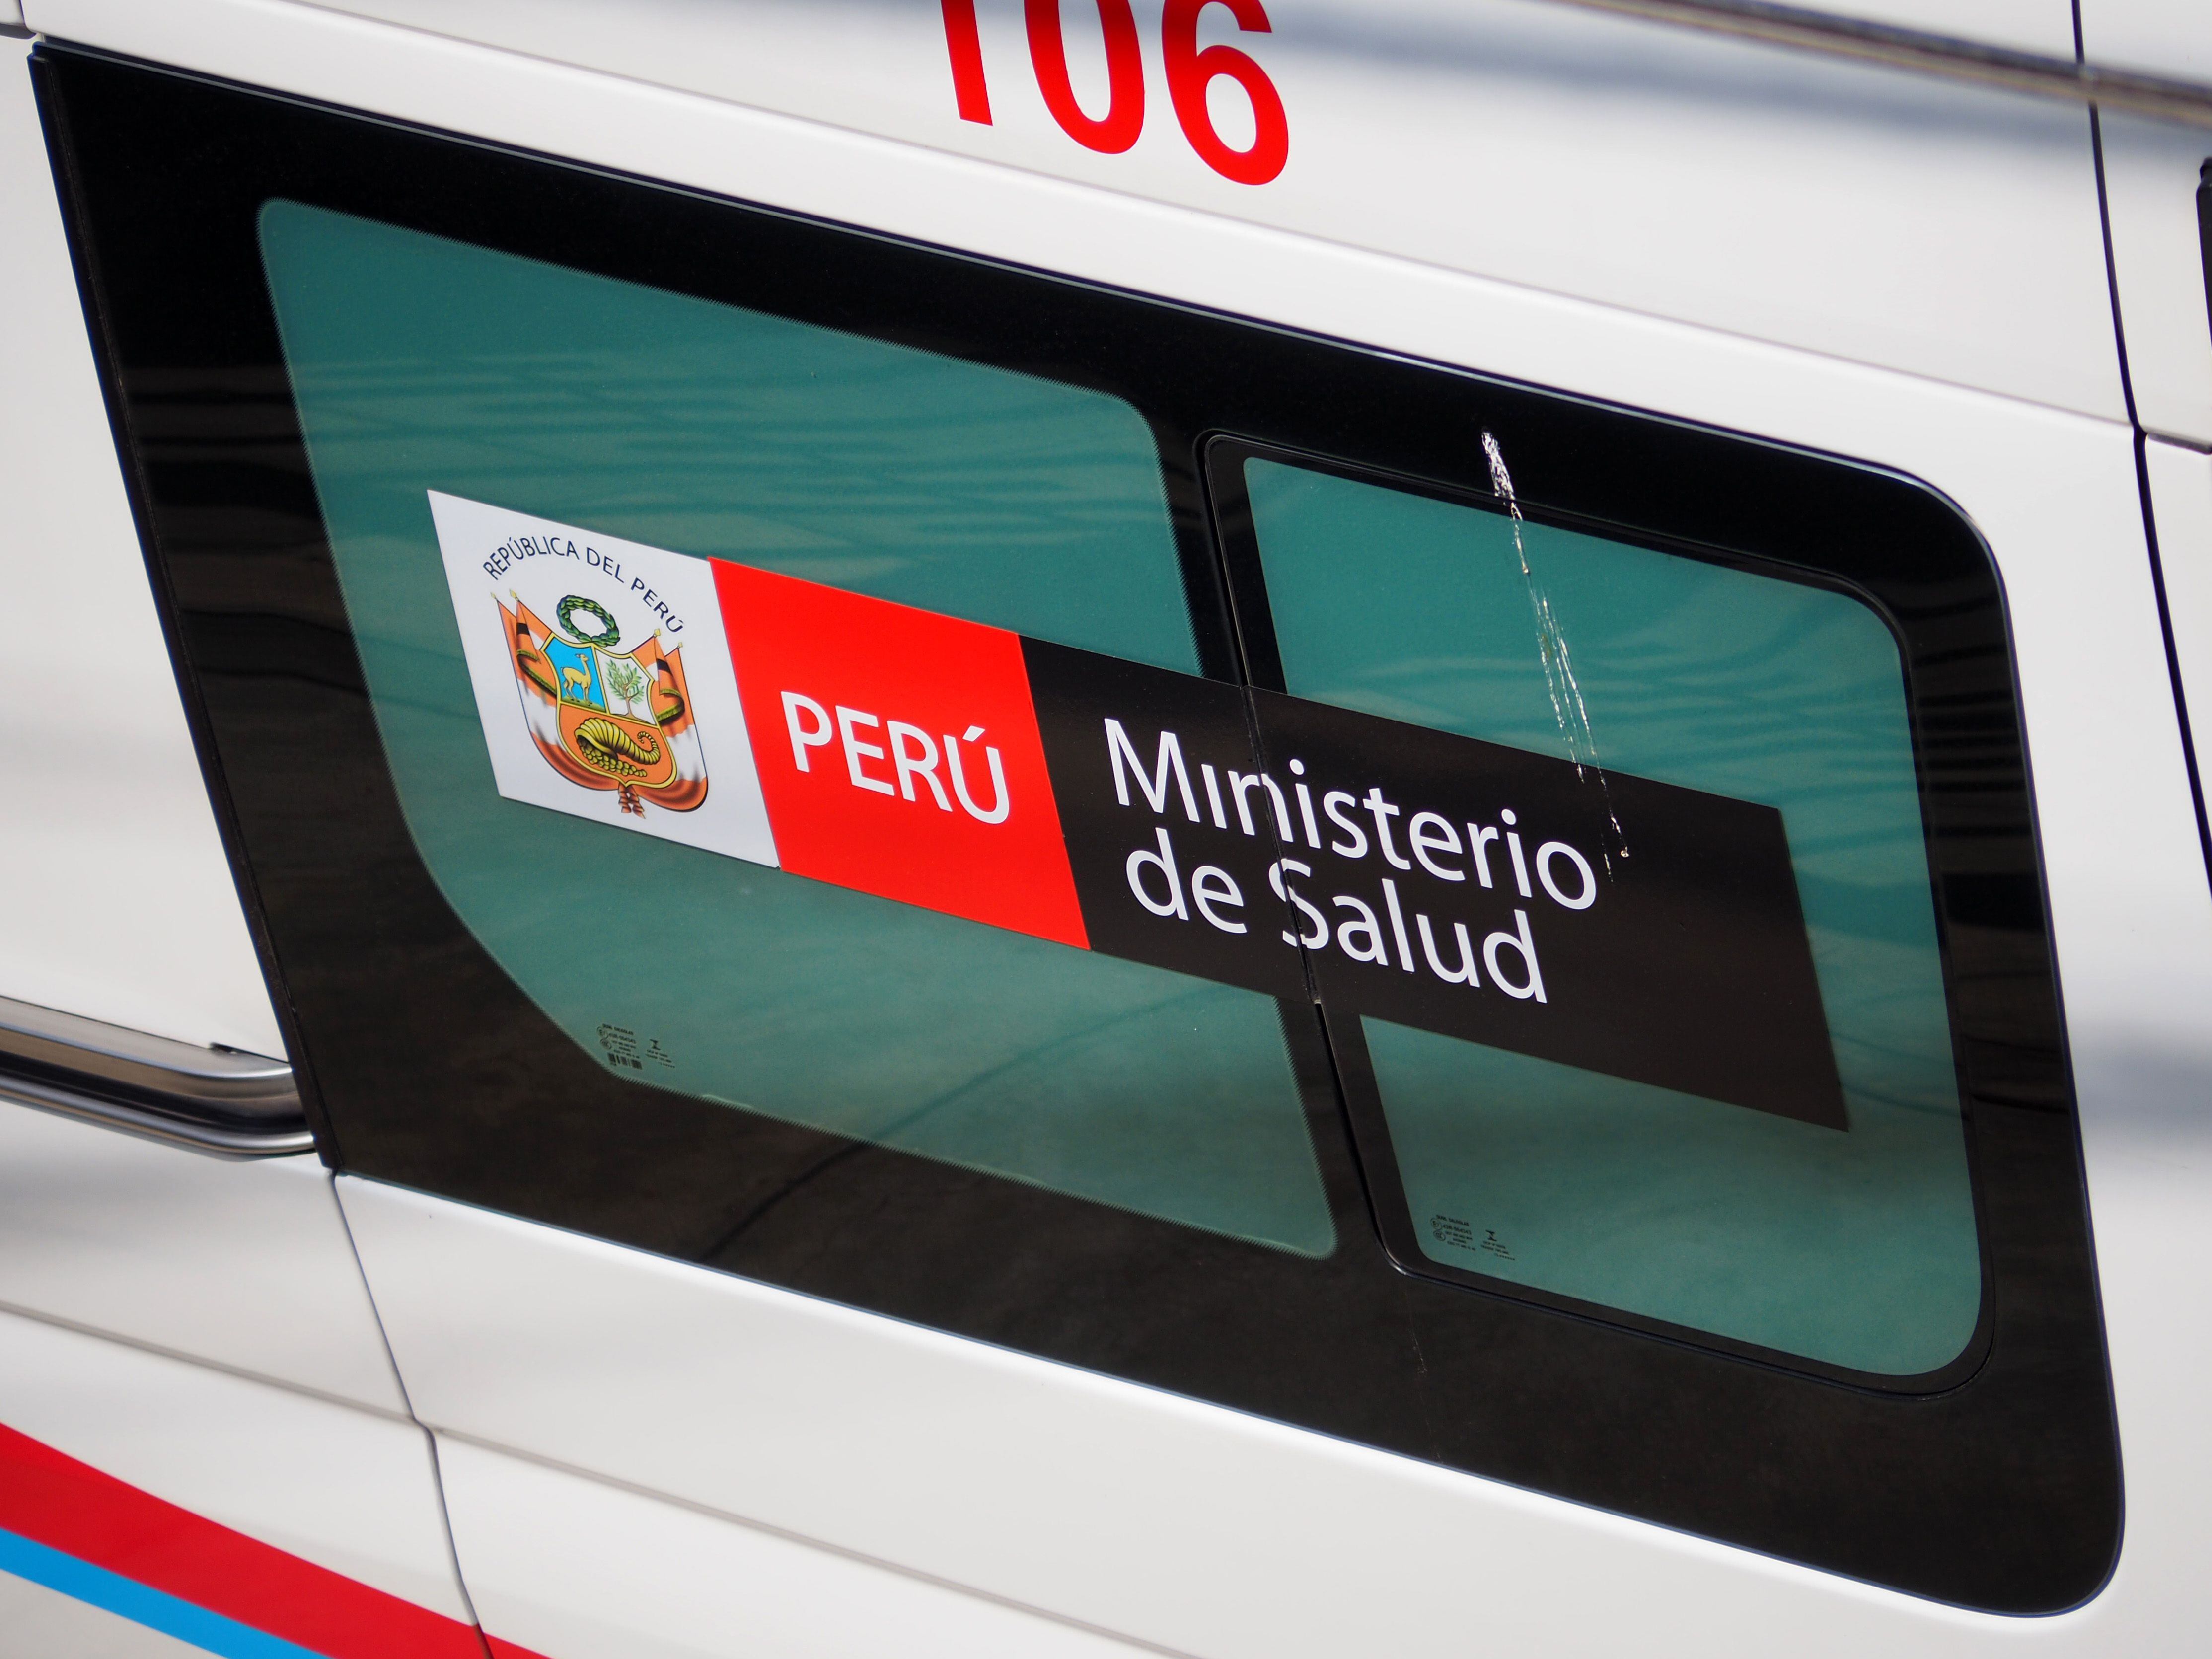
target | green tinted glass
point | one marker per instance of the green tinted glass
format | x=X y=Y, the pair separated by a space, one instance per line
x=422 y=364
x=1857 y=1248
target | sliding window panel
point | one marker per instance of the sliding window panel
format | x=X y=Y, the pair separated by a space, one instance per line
x=1632 y=948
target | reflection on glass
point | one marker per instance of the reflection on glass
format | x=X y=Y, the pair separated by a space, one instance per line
x=1855 y=1248
x=422 y=364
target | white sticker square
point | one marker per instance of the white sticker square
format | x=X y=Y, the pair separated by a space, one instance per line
x=603 y=678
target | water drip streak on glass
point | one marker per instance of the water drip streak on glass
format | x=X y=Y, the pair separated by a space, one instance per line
x=1551 y=648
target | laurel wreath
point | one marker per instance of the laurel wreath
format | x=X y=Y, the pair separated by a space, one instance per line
x=565 y=613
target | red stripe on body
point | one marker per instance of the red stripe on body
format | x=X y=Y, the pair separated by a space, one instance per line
x=967 y=826
x=52 y=1498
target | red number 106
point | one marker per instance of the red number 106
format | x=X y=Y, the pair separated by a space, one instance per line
x=1190 y=72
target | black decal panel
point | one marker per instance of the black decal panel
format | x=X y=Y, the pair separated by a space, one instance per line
x=1607 y=921
x=1176 y=726
x=1681 y=961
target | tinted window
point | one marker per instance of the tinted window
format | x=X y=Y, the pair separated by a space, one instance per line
x=420 y=364
x=1854 y=1244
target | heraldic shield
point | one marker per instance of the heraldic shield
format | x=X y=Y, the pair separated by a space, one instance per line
x=603 y=718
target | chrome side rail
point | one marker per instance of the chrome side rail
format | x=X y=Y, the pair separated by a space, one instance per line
x=219 y=1101
x=1812 y=30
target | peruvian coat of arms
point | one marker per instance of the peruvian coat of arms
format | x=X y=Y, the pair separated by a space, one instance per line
x=617 y=653
x=604 y=717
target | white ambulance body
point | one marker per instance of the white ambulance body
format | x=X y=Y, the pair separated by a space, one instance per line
x=858 y=1215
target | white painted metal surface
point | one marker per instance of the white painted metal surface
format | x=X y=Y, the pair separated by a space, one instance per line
x=37 y=1622
x=2151 y=177
x=2181 y=507
x=588 y=1570
x=343 y=1488
x=245 y=1265
x=120 y=907
x=1883 y=217
x=2161 y=37
x=2038 y=26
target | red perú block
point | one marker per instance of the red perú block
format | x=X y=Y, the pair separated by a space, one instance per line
x=898 y=752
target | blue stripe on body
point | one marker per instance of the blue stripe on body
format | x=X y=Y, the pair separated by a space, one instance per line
x=141 y=1603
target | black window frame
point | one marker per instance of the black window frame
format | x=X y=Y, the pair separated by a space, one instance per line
x=1993 y=1485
